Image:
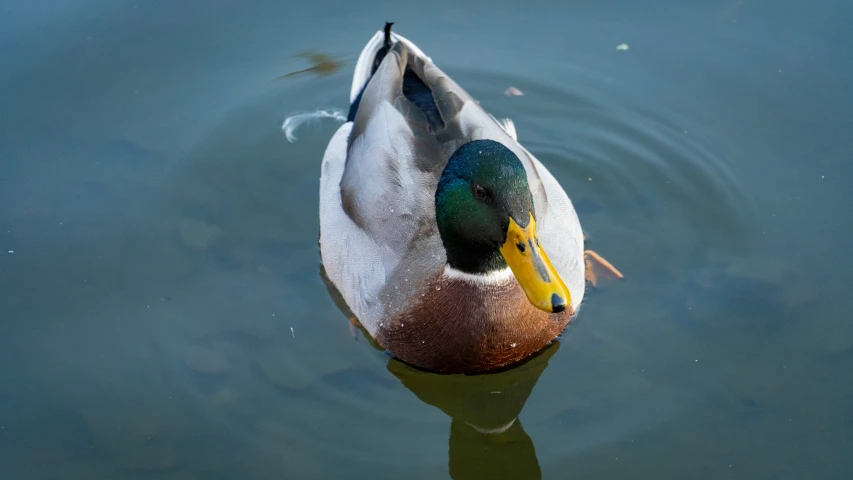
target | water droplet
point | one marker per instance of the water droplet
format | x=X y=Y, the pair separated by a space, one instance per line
x=513 y=345
x=438 y=287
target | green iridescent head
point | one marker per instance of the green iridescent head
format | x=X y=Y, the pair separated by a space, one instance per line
x=487 y=221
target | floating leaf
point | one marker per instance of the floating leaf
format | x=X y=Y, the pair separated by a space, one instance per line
x=323 y=65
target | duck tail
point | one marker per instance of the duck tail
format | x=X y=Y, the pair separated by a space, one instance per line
x=373 y=54
x=388 y=35
x=386 y=47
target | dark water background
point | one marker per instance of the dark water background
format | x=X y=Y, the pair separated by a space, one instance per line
x=162 y=313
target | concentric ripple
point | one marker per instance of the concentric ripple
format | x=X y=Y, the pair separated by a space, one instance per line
x=299 y=382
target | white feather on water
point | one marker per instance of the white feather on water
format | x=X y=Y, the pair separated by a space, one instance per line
x=293 y=122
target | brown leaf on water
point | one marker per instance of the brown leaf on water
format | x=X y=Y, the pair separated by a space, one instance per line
x=322 y=65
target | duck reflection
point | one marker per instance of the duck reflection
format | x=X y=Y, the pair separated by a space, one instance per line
x=487 y=439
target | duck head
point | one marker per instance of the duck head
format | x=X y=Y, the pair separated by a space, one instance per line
x=487 y=222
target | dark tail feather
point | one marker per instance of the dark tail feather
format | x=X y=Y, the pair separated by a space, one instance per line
x=377 y=60
x=380 y=55
x=388 y=35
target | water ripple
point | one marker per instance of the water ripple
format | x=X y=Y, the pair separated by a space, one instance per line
x=317 y=388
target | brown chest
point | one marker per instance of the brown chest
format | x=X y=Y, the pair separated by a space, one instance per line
x=461 y=327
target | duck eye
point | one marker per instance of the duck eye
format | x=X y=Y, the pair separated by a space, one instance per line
x=480 y=192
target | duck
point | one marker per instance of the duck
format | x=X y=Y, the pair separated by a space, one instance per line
x=454 y=248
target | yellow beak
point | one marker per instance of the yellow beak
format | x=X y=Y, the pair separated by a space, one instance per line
x=531 y=267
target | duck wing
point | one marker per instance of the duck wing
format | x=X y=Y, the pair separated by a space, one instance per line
x=408 y=119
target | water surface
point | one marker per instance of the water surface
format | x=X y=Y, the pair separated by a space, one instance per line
x=162 y=309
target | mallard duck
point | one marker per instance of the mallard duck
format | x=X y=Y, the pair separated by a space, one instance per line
x=435 y=221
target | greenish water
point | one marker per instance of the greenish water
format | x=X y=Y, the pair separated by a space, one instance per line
x=162 y=311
